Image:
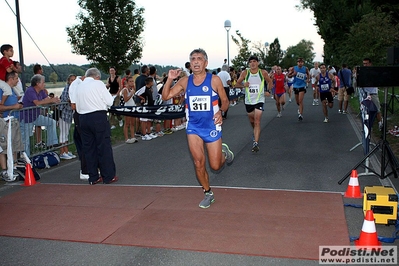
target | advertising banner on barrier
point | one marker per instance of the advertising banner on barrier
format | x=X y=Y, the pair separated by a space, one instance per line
x=159 y=112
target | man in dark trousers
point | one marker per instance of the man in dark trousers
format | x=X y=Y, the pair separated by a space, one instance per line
x=84 y=174
x=92 y=103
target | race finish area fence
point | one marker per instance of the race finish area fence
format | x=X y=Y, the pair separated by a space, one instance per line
x=50 y=127
x=44 y=128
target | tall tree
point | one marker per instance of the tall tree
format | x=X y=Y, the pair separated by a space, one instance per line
x=244 y=52
x=303 y=49
x=370 y=38
x=274 y=54
x=334 y=19
x=108 y=33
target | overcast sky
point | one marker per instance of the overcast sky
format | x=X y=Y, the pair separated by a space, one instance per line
x=173 y=28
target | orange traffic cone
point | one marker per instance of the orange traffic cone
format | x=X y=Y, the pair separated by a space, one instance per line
x=29 y=176
x=353 y=190
x=368 y=235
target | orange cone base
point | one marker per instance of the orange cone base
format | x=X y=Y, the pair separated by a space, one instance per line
x=28 y=184
x=29 y=177
x=367 y=240
x=353 y=192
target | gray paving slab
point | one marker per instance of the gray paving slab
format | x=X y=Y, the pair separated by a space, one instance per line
x=308 y=155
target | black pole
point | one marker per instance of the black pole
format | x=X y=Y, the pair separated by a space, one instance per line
x=21 y=54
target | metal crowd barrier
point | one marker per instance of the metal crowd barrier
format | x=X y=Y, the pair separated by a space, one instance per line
x=44 y=128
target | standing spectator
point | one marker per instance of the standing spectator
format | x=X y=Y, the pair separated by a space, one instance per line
x=114 y=86
x=253 y=80
x=140 y=80
x=204 y=118
x=6 y=66
x=140 y=83
x=345 y=77
x=19 y=88
x=167 y=123
x=314 y=72
x=128 y=73
x=187 y=69
x=135 y=74
x=11 y=103
x=77 y=134
x=331 y=70
x=36 y=95
x=373 y=93
x=145 y=94
x=178 y=100
x=37 y=69
x=65 y=120
x=92 y=103
x=225 y=63
x=226 y=81
x=127 y=99
x=301 y=78
x=157 y=99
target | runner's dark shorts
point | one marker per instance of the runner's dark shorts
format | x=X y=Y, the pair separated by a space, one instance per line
x=251 y=107
x=298 y=90
x=326 y=95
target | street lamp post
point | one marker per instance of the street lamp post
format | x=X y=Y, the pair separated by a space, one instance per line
x=227 y=26
x=266 y=45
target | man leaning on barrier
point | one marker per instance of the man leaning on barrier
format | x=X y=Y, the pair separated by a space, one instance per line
x=9 y=108
x=36 y=95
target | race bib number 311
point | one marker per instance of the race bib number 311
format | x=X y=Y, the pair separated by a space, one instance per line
x=200 y=103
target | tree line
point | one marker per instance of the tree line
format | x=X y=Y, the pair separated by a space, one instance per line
x=351 y=31
x=59 y=73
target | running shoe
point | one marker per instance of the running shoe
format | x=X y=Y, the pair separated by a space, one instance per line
x=317 y=102
x=4 y=176
x=132 y=140
x=300 y=117
x=121 y=123
x=279 y=114
x=228 y=154
x=207 y=201
x=325 y=120
x=71 y=155
x=65 y=156
x=314 y=102
x=40 y=145
x=344 y=112
x=153 y=135
x=160 y=134
x=168 y=131
x=255 y=147
x=146 y=137
x=113 y=127
x=340 y=111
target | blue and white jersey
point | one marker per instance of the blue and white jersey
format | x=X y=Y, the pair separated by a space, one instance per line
x=201 y=106
x=300 y=77
x=324 y=83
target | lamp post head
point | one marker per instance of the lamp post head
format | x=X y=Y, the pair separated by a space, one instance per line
x=266 y=44
x=227 y=25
